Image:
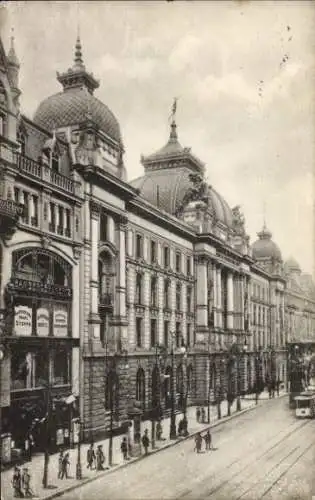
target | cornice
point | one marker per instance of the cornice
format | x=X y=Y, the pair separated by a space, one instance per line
x=158 y=270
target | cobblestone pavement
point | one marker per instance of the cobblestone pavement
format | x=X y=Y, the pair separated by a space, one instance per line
x=114 y=476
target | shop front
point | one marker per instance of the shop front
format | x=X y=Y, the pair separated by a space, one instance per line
x=39 y=305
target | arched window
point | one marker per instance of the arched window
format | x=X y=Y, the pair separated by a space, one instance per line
x=167 y=387
x=178 y=297
x=54 y=161
x=21 y=141
x=140 y=387
x=139 y=289
x=106 y=277
x=112 y=393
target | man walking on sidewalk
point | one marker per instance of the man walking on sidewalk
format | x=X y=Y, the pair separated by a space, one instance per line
x=207 y=438
x=145 y=441
x=90 y=457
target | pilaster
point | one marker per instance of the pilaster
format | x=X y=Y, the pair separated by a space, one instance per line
x=230 y=301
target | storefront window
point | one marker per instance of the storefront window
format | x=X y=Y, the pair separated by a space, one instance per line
x=21 y=371
x=60 y=368
x=41 y=368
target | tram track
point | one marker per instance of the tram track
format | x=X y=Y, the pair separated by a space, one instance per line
x=252 y=456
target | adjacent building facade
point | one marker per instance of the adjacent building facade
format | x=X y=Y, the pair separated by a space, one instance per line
x=117 y=296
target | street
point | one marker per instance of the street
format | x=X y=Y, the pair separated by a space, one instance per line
x=266 y=453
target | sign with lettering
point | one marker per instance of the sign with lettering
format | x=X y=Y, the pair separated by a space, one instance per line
x=60 y=322
x=23 y=320
x=42 y=322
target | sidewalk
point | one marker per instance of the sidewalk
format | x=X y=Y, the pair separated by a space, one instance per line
x=58 y=486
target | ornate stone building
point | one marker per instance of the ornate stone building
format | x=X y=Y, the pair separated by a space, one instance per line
x=118 y=296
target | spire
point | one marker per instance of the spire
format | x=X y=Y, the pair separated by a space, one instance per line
x=173 y=132
x=12 y=57
x=78 y=61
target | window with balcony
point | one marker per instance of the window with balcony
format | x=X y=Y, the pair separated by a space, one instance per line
x=178 y=297
x=153 y=252
x=166 y=253
x=139 y=289
x=153 y=332
x=153 y=292
x=166 y=294
x=139 y=331
x=178 y=262
x=189 y=299
x=139 y=246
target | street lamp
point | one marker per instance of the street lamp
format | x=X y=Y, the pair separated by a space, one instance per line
x=78 y=472
x=173 y=415
x=156 y=388
x=183 y=351
x=48 y=418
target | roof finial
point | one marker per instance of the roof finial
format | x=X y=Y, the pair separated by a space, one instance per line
x=12 y=54
x=78 y=61
x=173 y=133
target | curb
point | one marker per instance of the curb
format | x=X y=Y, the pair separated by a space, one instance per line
x=176 y=441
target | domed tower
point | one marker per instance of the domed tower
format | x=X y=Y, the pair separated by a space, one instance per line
x=266 y=253
x=174 y=181
x=87 y=123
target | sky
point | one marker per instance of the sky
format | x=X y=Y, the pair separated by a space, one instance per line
x=215 y=56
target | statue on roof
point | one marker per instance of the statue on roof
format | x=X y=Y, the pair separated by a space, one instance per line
x=198 y=191
x=238 y=220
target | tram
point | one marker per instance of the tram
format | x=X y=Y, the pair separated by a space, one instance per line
x=305 y=404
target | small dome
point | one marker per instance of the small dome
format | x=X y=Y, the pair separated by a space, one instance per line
x=292 y=265
x=264 y=247
x=167 y=187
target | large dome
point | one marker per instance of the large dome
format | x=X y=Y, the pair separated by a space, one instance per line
x=264 y=247
x=77 y=104
x=72 y=107
x=167 y=179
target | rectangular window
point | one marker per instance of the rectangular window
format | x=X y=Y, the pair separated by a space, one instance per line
x=178 y=297
x=153 y=291
x=41 y=369
x=188 y=298
x=153 y=332
x=153 y=252
x=166 y=333
x=178 y=334
x=178 y=262
x=139 y=246
x=166 y=293
x=188 y=266
x=139 y=331
x=188 y=334
x=166 y=257
x=21 y=370
x=103 y=227
x=139 y=289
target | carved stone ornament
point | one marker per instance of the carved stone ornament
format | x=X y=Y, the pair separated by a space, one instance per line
x=95 y=208
x=45 y=241
x=199 y=191
x=238 y=220
x=77 y=250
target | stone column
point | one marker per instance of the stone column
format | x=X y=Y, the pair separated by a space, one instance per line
x=230 y=301
x=94 y=319
x=242 y=300
x=202 y=301
x=219 y=298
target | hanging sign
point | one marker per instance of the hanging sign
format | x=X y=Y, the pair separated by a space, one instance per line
x=23 y=320
x=60 y=322
x=42 y=322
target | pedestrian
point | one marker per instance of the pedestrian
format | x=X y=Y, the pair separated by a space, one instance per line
x=145 y=441
x=65 y=466
x=203 y=415
x=207 y=438
x=60 y=459
x=278 y=386
x=159 y=431
x=91 y=457
x=198 y=442
x=198 y=414
x=124 y=448
x=17 y=483
x=28 y=445
x=100 y=457
x=26 y=483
